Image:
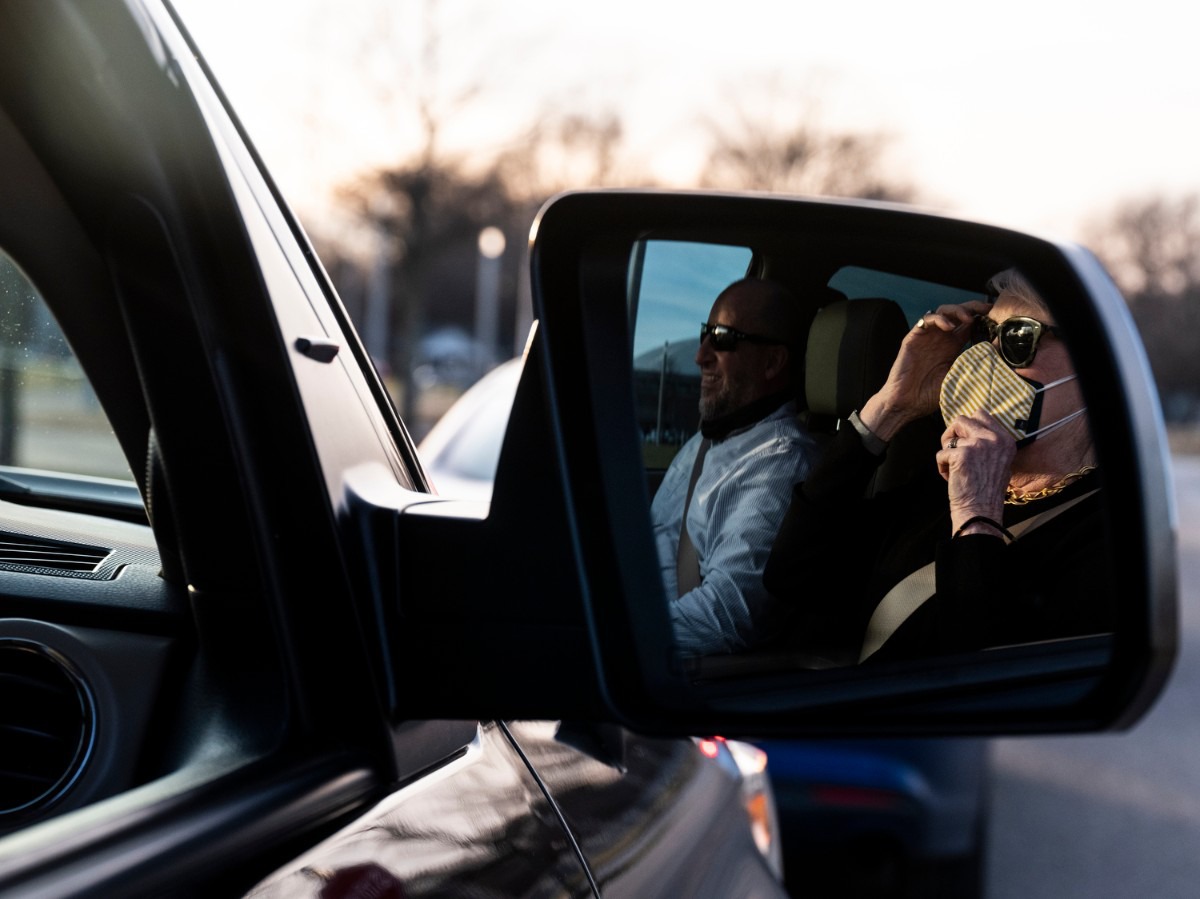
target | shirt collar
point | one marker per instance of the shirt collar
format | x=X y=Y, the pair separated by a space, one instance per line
x=751 y=413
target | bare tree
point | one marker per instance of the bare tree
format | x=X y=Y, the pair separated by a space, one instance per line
x=561 y=151
x=408 y=207
x=1151 y=246
x=777 y=143
x=431 y=207
x=421 y=215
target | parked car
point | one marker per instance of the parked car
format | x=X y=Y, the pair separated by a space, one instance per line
x=859 y=818
x=462 y=449
x=279 y=664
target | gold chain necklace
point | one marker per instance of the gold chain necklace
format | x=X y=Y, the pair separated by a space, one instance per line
x=1013 y=497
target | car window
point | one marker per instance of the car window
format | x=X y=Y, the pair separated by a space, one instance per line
x=913 y=295
x=50 y=418
x=674 y=284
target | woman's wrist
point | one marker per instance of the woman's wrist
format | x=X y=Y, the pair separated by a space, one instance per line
x=870 y=440
x=883 y=419
x=983 y=524
x=976 y=518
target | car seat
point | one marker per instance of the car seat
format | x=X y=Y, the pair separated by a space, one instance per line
x=851 y=347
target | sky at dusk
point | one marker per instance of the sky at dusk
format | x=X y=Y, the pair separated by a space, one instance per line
x=1036 y=114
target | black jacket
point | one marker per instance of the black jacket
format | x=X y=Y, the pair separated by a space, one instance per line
x=837 y=554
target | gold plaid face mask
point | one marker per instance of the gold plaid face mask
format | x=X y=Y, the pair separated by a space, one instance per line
x=981 y=379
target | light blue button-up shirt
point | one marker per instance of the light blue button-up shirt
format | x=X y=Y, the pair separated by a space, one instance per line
x=737 y=506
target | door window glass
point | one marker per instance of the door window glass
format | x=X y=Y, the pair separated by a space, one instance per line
x=913 y=295
x=50 y=418
x=674 y=286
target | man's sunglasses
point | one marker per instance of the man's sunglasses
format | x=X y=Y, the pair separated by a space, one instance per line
x=1018 y=337
x=725 y=339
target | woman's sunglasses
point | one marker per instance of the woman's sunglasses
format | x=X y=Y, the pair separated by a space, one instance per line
x=725 y=339
x=1018 y=337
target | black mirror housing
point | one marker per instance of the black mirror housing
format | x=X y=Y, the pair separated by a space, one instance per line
x=550 y=603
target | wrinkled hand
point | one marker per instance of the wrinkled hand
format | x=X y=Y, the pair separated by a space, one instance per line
x=914 y=383
x=976 y=461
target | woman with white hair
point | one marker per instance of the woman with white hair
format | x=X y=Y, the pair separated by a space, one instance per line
x=1004 y=542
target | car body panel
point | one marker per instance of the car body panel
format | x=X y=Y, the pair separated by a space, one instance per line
x=655 y=824
x=663 y=827
x=478 y=822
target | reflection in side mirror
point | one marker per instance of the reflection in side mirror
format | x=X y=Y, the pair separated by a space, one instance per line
x=918 y=532
x=849 y=532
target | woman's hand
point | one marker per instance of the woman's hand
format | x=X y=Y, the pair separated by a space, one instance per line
x=976 y=461
x=915 y=380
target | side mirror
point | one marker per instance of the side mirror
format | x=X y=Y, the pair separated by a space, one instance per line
x=604 y=316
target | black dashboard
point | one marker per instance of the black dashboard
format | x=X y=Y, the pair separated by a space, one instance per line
x=88 y=635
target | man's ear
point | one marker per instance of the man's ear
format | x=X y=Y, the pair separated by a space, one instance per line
x=778 y=358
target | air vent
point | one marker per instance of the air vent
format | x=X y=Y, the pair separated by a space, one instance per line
x=28 y=552
x=45 y=728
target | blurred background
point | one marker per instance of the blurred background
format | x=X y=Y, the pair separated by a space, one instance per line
x=417 y=139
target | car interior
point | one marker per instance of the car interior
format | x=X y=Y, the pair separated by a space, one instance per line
x=868 y=301
x=137 y=646
x=90 y=634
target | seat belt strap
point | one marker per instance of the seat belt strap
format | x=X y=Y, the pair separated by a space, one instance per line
x=687 y=560
x=912 y=592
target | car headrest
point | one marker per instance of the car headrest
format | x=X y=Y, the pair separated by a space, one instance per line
x=851 y=347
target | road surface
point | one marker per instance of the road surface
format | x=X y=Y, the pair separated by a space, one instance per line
x=1112 y=815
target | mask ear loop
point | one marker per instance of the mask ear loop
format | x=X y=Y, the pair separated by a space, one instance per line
x=1035 y=411
x=1032 y=435
x=1062 y=380
x=1053 y=426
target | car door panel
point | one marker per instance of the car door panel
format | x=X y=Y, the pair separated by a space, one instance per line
x=479 y=824
x=662 y=822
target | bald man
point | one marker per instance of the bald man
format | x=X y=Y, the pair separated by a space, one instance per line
x=732 y=481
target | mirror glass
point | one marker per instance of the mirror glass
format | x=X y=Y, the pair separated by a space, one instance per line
x=865 y=567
